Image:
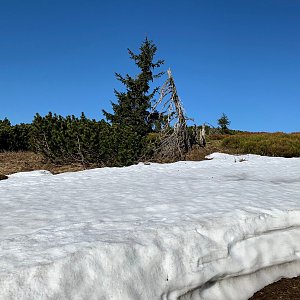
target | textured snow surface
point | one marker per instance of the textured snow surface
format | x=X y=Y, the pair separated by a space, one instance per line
x=216 y=229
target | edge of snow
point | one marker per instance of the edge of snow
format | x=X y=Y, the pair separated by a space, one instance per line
x=191 y=262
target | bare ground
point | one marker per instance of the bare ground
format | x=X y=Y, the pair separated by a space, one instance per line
x=284 y=289
x=13 y=162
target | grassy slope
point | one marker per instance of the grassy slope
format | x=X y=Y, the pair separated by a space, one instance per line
x=268 y=144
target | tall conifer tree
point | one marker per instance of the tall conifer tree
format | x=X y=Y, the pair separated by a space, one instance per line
x=132 y=108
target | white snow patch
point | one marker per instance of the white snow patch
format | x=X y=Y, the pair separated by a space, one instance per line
x=216 y=229
x=31 y=174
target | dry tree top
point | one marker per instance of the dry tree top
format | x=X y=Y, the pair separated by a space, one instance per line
x=176 y=140
x=171 y=104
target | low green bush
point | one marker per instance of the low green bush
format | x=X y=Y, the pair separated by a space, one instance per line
x=268 y=144
x=71 y=139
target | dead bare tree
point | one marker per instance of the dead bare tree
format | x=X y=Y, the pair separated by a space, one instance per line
x=175 y=138
x=202 y=138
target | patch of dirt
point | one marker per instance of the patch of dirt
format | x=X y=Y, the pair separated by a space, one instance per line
x=14 y=162
x=284 y=289
x=2 y=177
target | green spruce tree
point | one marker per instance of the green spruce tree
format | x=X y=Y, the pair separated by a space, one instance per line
x=132 y=109
x=224 y=122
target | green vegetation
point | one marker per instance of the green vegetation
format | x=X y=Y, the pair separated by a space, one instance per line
x=14 y=138
x=268 y=144
x=70 y=139
x=224 y=122
x=133 y=107
x=133 y=131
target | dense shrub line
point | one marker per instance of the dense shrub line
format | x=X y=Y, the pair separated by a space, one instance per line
x=14 y=138
x=71 y=140
x=65 y=140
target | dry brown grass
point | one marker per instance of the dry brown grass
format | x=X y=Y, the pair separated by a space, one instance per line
x=199 y=153
x=13 y=162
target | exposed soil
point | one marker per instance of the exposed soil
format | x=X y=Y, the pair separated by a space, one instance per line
x=284 y=289
x=2 y=177
x=14 y=162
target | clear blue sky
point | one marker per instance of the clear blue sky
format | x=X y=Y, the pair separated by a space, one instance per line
x=241 y=57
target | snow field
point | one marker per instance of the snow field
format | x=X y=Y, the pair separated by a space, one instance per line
x=217 y=229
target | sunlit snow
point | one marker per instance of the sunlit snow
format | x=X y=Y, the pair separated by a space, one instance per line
x=216 y=229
